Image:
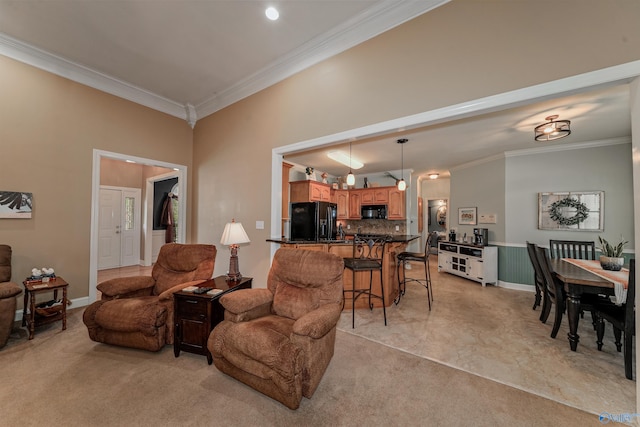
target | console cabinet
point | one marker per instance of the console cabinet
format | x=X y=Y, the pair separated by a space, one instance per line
x=478 y=263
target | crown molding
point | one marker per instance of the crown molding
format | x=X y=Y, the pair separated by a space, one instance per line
x=382 y=17
x=62 y=67
x=564 y=147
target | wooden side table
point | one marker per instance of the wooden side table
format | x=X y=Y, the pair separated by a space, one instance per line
x=195 y=315
x=31 y=318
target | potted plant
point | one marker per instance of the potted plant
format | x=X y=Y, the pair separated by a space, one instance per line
x=611 y=256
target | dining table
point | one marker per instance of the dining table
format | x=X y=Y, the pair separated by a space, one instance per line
x=578 y=281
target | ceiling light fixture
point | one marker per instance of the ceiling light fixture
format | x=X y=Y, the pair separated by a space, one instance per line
x=553 y=129
x=351 y=178
x=401 y=184
x=345 y=159
x=272 y=13
x=433 y=176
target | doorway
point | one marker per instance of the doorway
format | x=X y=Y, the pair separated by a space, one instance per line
x=119 y=227
x=146 y=226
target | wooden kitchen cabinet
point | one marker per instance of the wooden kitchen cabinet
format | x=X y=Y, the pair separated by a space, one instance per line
x=396 y=204
x=375 y=196
x=341 y=198
x=354 y=204
x=309 y=191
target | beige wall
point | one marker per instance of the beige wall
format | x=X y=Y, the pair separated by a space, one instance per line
x=461 y=51
x=49 y=127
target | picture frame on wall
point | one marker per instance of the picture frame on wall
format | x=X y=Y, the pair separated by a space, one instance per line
x=571 y=211
x=467 y=216
x=16 y=204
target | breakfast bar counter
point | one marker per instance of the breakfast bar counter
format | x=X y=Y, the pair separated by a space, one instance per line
x=344 y=249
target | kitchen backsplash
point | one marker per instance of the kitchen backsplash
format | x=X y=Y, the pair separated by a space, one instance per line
x=374 y=226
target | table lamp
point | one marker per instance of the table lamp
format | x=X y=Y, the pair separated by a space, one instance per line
x=232 y=236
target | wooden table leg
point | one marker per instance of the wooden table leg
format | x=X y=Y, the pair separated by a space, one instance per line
x=32 y=315
x=64 y=308
x=24 y=307
x=573 y=313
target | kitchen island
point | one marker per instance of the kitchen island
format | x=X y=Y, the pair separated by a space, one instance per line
x=344 y=249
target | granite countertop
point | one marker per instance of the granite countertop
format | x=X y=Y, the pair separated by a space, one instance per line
x=399 y=238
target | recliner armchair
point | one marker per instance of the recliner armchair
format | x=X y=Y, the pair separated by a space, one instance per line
x=8 y=293
x=137 y=311
x=280 y=340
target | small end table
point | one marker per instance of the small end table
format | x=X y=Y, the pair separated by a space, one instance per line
x=31 y=318
x=195 y=315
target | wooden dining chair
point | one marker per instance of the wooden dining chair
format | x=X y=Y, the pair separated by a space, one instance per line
x=554 y=290
x=576 y=249
x=539 y=283
x=623 y=319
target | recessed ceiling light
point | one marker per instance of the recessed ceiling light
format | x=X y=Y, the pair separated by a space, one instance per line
x=272 y=13
x=343 y=158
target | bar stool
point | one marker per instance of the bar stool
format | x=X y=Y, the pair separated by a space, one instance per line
x=403 y=258
x=368 y=253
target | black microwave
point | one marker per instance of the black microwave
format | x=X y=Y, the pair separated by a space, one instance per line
x=374 y=212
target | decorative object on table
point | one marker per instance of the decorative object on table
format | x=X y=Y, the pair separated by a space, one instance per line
x=15 y=204
x=310 y=174
x=552 y=129
x=232 y=236
x=571 y=211
x=611 y=256
x=335 y=186
x=467 y=216
x=324 y=177
x=452 y=234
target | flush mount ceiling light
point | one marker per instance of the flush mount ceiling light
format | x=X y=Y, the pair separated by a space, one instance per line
x=272 y=13
x=553 y=129
x=433 y=176
x=345 y=159
x=401 y=184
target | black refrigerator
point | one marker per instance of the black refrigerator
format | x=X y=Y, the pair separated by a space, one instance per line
x=313 y=221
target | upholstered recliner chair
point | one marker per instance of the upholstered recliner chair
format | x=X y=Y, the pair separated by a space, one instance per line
x=8 y=293
x=138 y=311
x=280 y=340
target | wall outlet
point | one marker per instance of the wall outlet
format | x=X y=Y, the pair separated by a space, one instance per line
x=259 y=225
x=397 y=228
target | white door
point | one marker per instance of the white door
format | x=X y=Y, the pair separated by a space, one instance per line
x=130 y=228
x=109 y=229
x=119 y=228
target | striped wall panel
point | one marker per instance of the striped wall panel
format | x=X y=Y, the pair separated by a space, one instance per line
x=514 y=265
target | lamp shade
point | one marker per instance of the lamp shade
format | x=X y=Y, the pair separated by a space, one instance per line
x=234 y=234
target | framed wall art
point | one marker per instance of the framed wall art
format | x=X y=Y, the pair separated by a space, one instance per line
x=15 y=204
x=571 y=211
x=467 y=216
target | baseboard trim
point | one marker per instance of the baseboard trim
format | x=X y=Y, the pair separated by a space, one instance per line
x=516 y=286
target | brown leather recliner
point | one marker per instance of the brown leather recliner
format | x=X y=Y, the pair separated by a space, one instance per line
x=138 y=311
x=280 y=340
x=8 y=293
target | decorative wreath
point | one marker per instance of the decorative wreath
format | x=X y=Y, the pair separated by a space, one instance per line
x=556 y=214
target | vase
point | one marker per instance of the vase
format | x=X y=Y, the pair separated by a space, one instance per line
x=611 y=263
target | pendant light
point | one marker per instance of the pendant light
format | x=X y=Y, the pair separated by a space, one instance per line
x=401 y=184
x=351 y=178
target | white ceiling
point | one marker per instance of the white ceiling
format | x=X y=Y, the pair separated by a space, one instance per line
x=189 y=58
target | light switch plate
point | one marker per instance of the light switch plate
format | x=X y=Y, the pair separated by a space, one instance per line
x=259 y=225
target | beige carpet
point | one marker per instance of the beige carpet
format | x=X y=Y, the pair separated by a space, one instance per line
x=493 y=332
x=64 y=379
